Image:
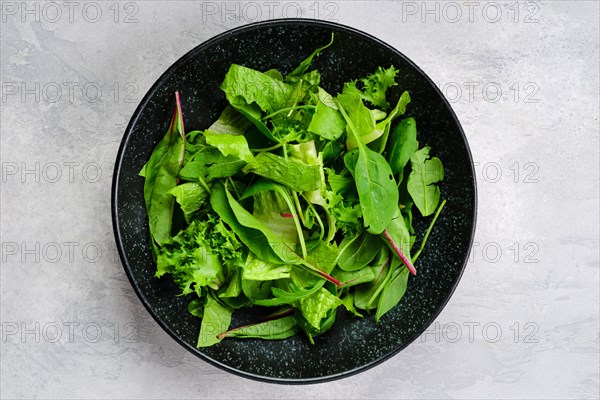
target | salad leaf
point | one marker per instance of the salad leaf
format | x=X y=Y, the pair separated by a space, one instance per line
x=216 y=319
x=376 y=188
x=288 y=171
x=327 y=122
x=227 y=144
x=402 y=145
x=376 y=85
x=280 y=328
x=190 y=197
x=315 y=308
x=161 y=175
x=246 y=85
x=393 y=292
x=356 y=253
x=230 y=122
x=259 y=270
x=425 y=172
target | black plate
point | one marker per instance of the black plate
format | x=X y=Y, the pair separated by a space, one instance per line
x=352 y=344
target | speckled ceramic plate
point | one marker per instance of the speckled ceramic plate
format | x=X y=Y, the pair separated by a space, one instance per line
x=353 y=344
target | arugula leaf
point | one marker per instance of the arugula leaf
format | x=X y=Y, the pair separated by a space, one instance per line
x=230 y=145
x=161 y=173
x=291 y=297
x=290 y=172
x=402 y=145
x=280 y=328
x=216 y=320
x=425 y=172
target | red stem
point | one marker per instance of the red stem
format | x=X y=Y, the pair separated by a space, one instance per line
x=408 y=264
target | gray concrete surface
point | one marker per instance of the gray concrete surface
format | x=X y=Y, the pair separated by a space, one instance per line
x=523 y=79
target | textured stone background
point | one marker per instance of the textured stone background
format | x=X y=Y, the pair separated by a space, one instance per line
x=523 y=79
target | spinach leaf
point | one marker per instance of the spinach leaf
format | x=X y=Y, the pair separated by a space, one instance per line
x=357 y=252
x=402 y=145
x=161 y=174
x=425 y=172
x=376 y=187
x=290 y=172
x=393 y=292
x=280 y=328
x=365 y=294
x=353 y=278
x=216 y=320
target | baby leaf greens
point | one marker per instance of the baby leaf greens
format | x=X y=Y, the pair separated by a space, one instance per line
x=294 y=200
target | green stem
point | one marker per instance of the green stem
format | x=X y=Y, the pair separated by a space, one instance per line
x=280 y=111
x=359 y=143
x=278 y=145
x=298 y=207
x=290 y=205
x=437 y=214
x=384 y=139
x=233 y=186
x=319 y=220
x=204 y=184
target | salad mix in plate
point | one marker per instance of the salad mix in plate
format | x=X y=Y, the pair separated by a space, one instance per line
x=295 y=200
